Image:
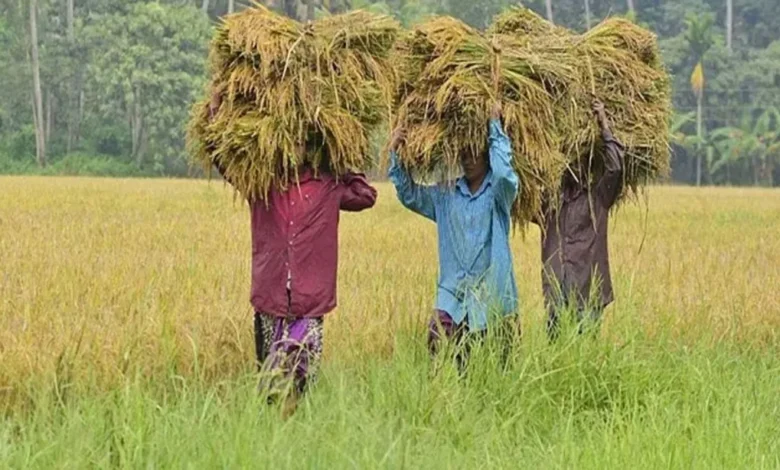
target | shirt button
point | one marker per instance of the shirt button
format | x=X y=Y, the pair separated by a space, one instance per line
x=291 y=223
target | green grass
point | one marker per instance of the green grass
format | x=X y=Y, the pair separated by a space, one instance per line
x=125 y=342
x=578 y=404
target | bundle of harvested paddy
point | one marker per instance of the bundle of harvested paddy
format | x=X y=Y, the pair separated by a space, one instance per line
x=624 y=70
x=450 y=77
x=520 y=21
x=324 y=86
x=619 y=63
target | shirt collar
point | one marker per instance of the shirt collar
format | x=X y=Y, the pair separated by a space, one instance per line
x=306 y=173
x=463 y=185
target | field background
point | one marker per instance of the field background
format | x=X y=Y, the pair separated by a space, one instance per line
x=126 y=341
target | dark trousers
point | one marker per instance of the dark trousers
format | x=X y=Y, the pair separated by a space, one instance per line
x=588 y=317
x=443 y=331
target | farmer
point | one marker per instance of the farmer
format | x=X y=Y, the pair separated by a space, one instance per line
x=476 y=278
x=294 y=267
x=575 y=273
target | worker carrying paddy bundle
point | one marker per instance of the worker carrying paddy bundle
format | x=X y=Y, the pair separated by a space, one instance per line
x=287 y=121
x=294 y=268
x=575 y=256
x=473 y=219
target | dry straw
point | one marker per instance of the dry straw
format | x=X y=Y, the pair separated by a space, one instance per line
x=619 y=63
x=324 y=86
x=547 y=79
x=451 y=75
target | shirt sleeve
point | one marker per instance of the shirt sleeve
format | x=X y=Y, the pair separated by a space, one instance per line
x=357 y=194
x=505 y=180
x=417 y=198
x=611 y=183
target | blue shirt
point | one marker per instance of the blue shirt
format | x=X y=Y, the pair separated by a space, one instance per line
x=476 y=278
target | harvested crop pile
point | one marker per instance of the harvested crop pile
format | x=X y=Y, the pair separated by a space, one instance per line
x=619 y=63
x=546 y=78
x=325 y=85
x=450 y=77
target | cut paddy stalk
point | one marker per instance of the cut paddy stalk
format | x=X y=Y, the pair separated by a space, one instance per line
x=619 y=63
x=547 y=79
x=323 y=87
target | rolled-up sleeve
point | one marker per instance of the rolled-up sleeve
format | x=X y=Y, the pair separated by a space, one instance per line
x=357 y=194
x=417 y=198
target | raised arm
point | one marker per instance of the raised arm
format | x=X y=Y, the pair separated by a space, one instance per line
x=415 y=197
x=504 y=179
x=357 y=194
x=610 y=184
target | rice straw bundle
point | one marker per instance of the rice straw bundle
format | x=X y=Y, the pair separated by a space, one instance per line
x=624 y=70
x=450 y=77
x=520 y=21
x=619 y=63
x=325 y=85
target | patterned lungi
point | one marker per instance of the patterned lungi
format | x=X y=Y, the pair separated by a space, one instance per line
x=289 y=351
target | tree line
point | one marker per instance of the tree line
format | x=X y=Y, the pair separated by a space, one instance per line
x=105 y=86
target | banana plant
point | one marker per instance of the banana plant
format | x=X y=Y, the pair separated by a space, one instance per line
x=756 y=141
x=701 y=146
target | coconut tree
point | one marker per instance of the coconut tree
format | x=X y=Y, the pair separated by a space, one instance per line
x=700 y=40
x=588 y=20
x=692 y=144
x=697 y=84
x=678 y=135
x=729 y=23
x=40 y=135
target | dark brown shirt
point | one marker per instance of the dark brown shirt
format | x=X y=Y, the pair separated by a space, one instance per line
x=575 y=257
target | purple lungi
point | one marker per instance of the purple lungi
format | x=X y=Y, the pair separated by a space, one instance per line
x=289 y=351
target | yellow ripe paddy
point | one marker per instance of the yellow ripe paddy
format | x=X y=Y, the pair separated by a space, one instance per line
x=110 y=285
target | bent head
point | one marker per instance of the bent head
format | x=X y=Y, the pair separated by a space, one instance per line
x=314 y=152
x=474 y=166
x=583 y=170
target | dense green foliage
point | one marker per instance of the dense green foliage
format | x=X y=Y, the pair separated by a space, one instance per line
x=118 y=79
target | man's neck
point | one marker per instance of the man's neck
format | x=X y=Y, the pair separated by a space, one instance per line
x=475 y=184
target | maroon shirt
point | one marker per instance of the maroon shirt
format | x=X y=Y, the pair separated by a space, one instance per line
x=295 y=234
